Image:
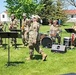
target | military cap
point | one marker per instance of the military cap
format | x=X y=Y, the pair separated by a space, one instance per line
x=12 y=14
x=24 y=14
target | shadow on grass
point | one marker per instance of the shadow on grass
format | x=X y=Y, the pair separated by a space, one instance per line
x=38 y=57
x=14 y=63
x=69 y=74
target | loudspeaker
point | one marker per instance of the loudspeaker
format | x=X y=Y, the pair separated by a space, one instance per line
x=58 y=48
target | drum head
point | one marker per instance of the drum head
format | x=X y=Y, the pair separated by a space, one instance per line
x=46 y=42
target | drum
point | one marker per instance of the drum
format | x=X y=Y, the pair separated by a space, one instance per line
x=46 y=42
x=42 y=35
x=67 y=41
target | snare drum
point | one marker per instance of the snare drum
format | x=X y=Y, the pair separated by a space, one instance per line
x=42 y=35
x=46 y=42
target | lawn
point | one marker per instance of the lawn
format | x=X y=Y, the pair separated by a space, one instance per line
x=56 y=63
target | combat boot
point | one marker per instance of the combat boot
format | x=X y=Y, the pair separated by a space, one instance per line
x=44 y=56
x=29 y=58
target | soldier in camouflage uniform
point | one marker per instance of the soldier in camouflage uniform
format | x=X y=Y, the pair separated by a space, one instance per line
x=13 y=22
x=13 y=25
x=34 y=41
x=54 y=31
x=1 y=29
x=25 y=29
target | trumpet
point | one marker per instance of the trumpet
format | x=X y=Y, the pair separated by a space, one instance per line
x=22 y=27
x=11 y=26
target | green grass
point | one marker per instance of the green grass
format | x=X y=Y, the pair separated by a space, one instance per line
x=56 y=63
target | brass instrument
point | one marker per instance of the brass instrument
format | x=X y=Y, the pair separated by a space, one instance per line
x=11 y=26
x=22 y=27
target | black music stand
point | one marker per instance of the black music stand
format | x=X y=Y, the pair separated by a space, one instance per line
x=17 y=30
x=8 y=35
x=70 y=30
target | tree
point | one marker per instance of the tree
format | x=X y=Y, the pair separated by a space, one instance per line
x=72 y=2
x=53 y=9
x=18 y=7
x=59 y=13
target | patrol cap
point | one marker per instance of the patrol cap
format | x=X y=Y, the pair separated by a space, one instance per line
x=35 y=16
x=12 y=14
x=24 y=14
x=54 y=21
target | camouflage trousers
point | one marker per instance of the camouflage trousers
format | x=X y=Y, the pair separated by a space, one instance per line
x=25 y=37
x=35 y=46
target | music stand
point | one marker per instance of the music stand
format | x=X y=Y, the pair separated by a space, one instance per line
x=8 y=35
x=70 y=30
x=17 y=30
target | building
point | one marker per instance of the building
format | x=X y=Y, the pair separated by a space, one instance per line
x=71 y=15
x=4 y=17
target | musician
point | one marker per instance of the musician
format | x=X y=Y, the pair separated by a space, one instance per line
x=13 y=25
x=54 y=31
x=1 y=26
x=13 y=22
x=74 y=35
x=1 y=29
x=34 y=41
x=25 y=29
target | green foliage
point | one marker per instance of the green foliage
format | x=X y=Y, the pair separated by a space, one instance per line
x=59 y=13
x=21 y=6
x=53 y=9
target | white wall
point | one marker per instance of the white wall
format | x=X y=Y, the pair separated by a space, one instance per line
x=5 y=18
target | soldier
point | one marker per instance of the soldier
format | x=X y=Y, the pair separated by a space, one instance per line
x=1 y=26
x=34 y=41
x=13 y=22
x=74 y=35
x=13 y=25
x=1 y=29
x=54 y=31
x=25 y=29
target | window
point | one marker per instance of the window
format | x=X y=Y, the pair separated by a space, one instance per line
x=72 y=16
x=3 y=16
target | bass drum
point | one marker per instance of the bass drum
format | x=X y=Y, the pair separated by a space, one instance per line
x=46 y=42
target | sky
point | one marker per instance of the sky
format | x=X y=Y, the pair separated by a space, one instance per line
x=3 y=8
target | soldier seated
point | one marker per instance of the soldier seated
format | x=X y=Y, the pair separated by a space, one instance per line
x=54 y=31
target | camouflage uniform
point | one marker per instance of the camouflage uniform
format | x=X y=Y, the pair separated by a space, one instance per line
x=13 y=25
x=25 y=30
x=13 y=22
x=34 y=40
x=1 y=29
x=54 y=32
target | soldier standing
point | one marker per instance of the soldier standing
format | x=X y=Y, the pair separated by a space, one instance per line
x=34 y=41
x=13 y=22
x=13 y=26
x=25 y=29
x=1 y=29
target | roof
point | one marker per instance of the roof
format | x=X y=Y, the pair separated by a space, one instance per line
x=72 y=12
